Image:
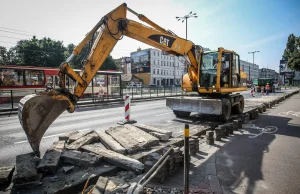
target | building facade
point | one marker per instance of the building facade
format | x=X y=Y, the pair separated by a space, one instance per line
x=156 y=67
x=251 y=69
x=268 y=73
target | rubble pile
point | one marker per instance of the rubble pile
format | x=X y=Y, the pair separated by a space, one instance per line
x=69 y=162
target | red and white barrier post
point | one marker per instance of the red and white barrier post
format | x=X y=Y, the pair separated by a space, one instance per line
x=127 y=107
x=127 y=112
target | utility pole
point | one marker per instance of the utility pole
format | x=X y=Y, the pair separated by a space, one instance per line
x=253 y=60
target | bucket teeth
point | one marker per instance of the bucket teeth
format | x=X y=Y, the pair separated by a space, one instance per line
x=36 y=113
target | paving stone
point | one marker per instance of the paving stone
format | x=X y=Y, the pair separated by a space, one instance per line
x=116 y=158
x=160 y=136
x=214 y=184
x=100 y=185
x=50 y=161
x=81 y=158
x=149 y=129
x=211 y=169
x=83 y=141
x=132 y=138
x=26 y=170
x=6 y=174
x=203 y=185
x=78 y=135
x=110 y=143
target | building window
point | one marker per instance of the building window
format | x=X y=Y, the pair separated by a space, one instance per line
x=153 y=53
x=157 y=71
x=153 y=71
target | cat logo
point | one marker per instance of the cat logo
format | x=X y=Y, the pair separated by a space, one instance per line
x=164 y=41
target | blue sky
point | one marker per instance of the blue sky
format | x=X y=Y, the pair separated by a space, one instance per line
x=239 y=25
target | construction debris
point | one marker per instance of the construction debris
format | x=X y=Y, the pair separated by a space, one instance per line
x=65 y=137
x=26 y=169
x=89 y=138
x=110 y=143
x=116 y=158
x=81 y=158
x=150 y=129
x=6 y=174
x=78 y=135
x=67 y=169
x=132 y=138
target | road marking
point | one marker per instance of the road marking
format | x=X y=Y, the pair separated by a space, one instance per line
x=49 y=136
x=164 y=114
x=267 y=129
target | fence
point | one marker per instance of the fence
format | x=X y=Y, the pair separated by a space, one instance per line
x=9 y=99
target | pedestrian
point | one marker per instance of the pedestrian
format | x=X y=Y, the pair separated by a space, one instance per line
x=267 y=89
x=101 y=93
x=262 y=90
x=252 y=91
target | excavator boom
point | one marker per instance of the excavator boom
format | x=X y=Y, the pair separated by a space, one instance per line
x=37 y=112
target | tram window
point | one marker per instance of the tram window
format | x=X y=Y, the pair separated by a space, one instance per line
x=11 y=77
x=34 y=77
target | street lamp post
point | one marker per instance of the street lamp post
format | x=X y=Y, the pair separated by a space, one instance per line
x=185 y=18
x=253 y=60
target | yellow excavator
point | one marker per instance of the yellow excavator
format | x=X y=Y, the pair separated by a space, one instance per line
x=214 y=75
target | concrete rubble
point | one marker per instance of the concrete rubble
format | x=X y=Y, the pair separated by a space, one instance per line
x=132 y=149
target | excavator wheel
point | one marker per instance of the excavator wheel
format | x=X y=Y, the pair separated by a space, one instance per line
x=239 y=108
x=181 y=113
x=226 y=110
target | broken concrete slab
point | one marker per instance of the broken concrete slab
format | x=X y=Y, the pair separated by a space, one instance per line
x=160 y=136
x=100 y=185
x=110 y=142
x=58 y=146
x=132 y=138
x=78 y=158
x=116 y=158
x=6 y=174
x=83 y=141
x=67 y=169
x=26 y=170
x=72 y=182
x=65 y=137
x=149 y=129
x=49 y=162
x=78 y=135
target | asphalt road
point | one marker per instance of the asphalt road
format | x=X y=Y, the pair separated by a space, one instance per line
x=255 y=162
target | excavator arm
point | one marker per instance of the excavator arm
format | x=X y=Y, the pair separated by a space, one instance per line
x=38 y=112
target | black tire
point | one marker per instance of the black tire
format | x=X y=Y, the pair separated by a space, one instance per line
x=181 y=113
x=226 y=110
x=239 y=108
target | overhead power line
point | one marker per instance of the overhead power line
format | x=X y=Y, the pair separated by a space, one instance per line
x=14 y=29
x=15 y=33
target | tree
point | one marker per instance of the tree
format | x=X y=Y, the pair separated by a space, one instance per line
x=4 y=59
x=292 y=52
x=43 y=53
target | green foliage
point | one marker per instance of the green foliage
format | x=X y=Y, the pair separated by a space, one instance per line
x=292 y=52
x=39 y=52
x=46 y=52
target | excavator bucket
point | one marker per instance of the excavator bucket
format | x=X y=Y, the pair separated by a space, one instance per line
x=36 y=113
